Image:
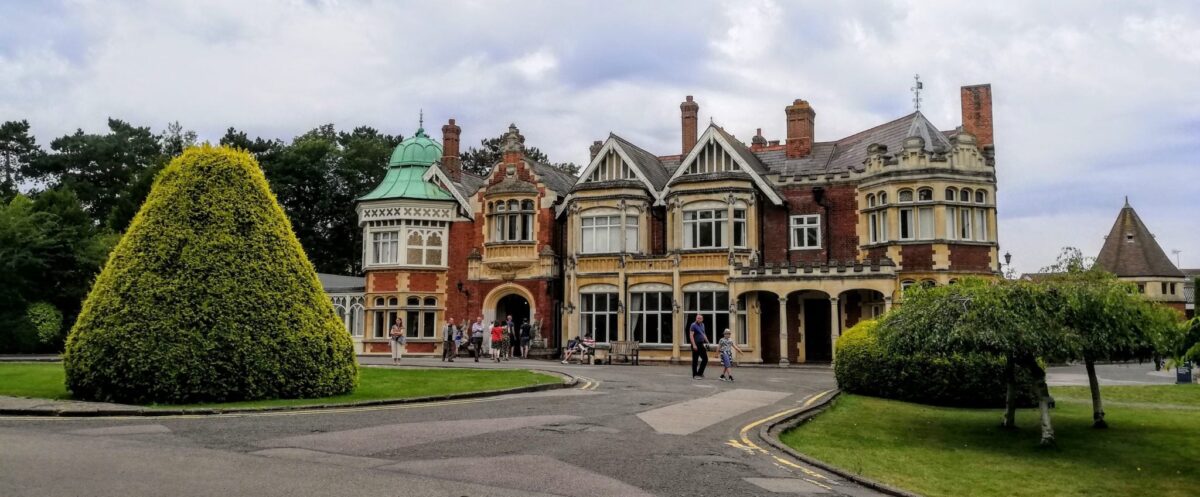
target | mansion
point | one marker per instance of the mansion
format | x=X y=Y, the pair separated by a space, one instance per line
x=785 y=242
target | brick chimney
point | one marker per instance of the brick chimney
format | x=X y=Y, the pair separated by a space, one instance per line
x=688 y=111
x=450 y=159
x=977 y=113
x=595 y=148
x=800 y=117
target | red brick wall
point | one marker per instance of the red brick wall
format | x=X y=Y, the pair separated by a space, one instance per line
x=422 y=281
x=839 y=237
x=658 y=230
x=917 y=257
x=977 y=112
x=970 y=258
x=382 y=281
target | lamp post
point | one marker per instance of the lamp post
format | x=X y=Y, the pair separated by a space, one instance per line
x=1006 y=268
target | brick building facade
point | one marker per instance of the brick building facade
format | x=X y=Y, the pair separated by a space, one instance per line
x=785 y=242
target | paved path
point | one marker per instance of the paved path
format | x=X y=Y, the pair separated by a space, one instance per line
x=625 y=431
x=1111 y=374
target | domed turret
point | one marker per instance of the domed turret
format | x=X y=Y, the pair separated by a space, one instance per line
x=418 y=150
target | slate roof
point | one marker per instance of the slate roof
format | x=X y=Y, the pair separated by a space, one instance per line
x=647 y=162
x=553 y=177
x=743 y=151
x=848 y=154
x=1130 y=250
x=336 y=283
x=469 y=184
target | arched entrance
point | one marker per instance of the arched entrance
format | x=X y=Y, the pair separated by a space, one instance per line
x=513 y=305
x=509 y=299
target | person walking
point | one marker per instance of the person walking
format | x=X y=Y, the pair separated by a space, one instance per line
x=449 y=346
x=497 y=340
x=526 y=336
x=726 y=348
x=477 y=338
x=398 y=340
x=699 y=341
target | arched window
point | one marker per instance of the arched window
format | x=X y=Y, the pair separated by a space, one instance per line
x=964 y=195
x=905 y=196
x=499 y=206
x=393 y=302
x=904 y=285
x=882 y=198
x=412 y=301
x=951 y=195
x=378 y=301
x=925 y=194
x=928 y=283
x=526 y=205
x=357 y=319
x=980 y=197
x=870 y=200
x=430 y=302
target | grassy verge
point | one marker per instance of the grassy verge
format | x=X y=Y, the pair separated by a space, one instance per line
x=951 y=452
x=46 y=380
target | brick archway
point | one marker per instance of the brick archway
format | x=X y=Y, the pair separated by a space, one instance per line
x=493 y=300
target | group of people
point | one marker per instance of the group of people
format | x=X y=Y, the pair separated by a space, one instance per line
x=506 y=339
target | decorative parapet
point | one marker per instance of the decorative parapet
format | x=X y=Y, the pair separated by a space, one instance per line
x=882 y=267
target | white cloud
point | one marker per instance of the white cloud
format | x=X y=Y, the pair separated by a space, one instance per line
x=1088 y=108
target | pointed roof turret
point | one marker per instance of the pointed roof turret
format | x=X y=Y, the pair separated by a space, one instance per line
x=405 y=176
x=1130 y=250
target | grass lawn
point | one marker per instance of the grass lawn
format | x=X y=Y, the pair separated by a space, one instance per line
x=952 y=452
x=46 y=380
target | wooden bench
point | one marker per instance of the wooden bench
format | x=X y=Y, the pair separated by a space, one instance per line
x=624 y=351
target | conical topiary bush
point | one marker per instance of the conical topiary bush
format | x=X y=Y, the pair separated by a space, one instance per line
x=208 y=297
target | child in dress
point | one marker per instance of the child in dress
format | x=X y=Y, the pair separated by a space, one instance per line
x=726 y=347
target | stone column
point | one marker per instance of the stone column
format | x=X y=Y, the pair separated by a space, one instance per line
x=783 y=331
x=835 y=322
x=887 y=304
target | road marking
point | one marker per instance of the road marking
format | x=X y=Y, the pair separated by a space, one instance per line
x=589 y=383
x=749 y=446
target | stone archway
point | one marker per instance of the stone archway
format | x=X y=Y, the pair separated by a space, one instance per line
x=492 y=303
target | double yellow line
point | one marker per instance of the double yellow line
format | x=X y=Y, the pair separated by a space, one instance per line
x=746 y=444
x=589 y=383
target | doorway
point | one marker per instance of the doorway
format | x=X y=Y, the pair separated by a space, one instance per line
x=512 y=305
x=817 y=347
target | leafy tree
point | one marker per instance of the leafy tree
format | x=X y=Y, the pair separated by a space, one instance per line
x=208 y=297
x=101 y=168
x=1008 y=319
x=479 y=161
x=1108 y=319
x=22 y=242
x=17 y=149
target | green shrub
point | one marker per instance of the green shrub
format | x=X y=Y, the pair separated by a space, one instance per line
x=208 y=298
x=47 y=320
x=863 y=367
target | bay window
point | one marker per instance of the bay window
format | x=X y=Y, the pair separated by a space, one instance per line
x=386 y=245
x=906 y=224
x=981 y=225
x=512 y=221
x=951 y=216
x=964 y=224
x=410 y=242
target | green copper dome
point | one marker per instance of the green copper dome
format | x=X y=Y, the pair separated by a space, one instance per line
x=419 y=150
x=406 y=172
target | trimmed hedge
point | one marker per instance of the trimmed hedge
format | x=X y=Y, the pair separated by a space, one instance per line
x=208 y=298
x=863 y=367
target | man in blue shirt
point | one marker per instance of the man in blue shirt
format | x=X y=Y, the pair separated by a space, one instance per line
x=699 y=341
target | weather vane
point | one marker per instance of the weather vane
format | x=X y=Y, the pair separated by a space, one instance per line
x=916 y=89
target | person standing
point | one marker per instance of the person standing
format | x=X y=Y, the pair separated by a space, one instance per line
x=510 y=335
x=477 y=338
x=699 y=341
x=497 y=340
x=726 y=348
x=526 y=336
x=449 y=346
x=398 y=340
x=488 y=345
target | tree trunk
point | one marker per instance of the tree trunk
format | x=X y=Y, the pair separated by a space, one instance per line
x=1010 y=398
x=1044 y=406
x=1094 y=383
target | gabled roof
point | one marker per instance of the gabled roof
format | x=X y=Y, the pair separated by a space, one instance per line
x=1131 y=251
x=749 y=163
x=435 y=173
x=646 y=162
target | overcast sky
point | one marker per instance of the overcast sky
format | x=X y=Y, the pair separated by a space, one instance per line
x=1092 y=101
